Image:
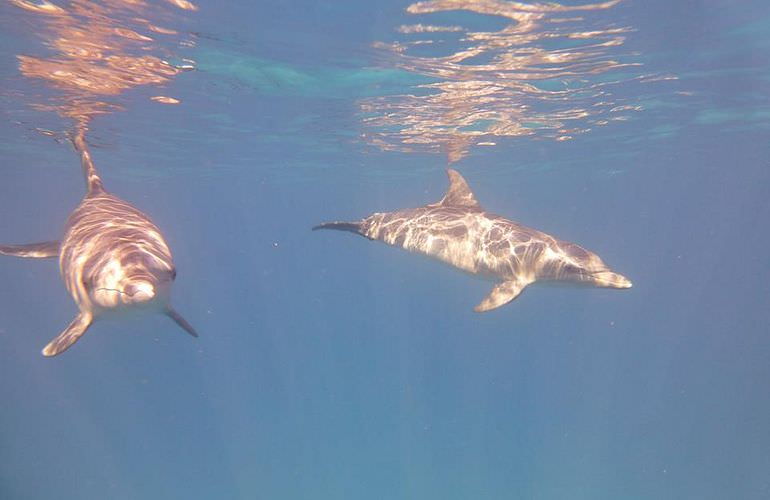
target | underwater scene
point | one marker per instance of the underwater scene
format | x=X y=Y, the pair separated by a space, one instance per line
x=397 y=249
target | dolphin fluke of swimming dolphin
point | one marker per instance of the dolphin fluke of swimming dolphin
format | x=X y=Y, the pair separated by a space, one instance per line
x=459 y=232
x=112 y=258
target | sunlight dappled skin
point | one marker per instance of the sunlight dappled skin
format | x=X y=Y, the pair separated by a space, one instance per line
x=112 y=257
x=459 y=232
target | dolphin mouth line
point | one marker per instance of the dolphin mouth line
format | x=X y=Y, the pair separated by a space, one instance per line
x=112 y=290
x=119 y=291
x=611 y=279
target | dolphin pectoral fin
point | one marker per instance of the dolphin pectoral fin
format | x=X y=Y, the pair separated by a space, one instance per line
x=179 y=320
x=500 y=295
x=43 y=250
x=69 y=336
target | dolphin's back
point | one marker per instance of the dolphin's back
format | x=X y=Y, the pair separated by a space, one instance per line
x=467 y=238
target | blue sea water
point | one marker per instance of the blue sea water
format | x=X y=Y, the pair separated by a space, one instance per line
x=332 y=367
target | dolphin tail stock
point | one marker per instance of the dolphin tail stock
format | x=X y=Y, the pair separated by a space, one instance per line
x=43 y=250
x=74 y=331
x=93 y=181
x=353 y=227
x=179 y=320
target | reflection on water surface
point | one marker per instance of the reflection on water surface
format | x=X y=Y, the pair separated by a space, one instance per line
x=99 y=50
x=549 y=72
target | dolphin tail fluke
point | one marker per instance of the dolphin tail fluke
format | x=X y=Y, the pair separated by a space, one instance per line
x=33 y=250
x=69 y=336
x=353 y=227
x=179 y=320
x=500 y=295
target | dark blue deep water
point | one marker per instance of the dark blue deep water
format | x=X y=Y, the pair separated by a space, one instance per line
x=332 y=367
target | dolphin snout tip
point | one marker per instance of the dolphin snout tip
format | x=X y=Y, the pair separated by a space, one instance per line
x=141 y=292
x=612 y=280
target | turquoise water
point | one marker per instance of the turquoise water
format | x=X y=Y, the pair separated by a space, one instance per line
x=329 y=366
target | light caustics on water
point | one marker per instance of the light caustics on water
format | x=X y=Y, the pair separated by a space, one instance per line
x=542 y=75
x=99 y=50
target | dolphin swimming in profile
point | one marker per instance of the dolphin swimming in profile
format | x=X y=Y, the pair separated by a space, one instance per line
x=112 y=258
x=457 y=231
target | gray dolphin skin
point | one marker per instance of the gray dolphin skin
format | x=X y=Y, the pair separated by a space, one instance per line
x=112 y=259
x=457 y=231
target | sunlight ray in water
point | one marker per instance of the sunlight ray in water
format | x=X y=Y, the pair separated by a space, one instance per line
x=542 y=75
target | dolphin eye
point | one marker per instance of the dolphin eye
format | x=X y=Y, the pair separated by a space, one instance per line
x=173 y=273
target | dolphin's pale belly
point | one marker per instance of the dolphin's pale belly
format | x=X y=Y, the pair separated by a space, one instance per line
x=469 y=239
x=107 y=239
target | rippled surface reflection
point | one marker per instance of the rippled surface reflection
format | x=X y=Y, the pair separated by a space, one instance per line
x=549 y=72
x=98 y=50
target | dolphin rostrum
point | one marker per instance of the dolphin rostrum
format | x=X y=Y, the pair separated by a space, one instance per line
x=457 y=231
x=112 y=258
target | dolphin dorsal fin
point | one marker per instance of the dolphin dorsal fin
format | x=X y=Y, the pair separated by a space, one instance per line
x=458 y=194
